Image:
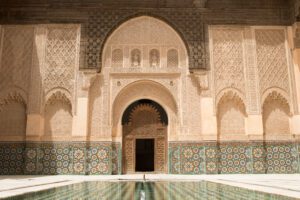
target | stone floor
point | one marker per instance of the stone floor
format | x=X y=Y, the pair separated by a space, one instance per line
x=282 y=184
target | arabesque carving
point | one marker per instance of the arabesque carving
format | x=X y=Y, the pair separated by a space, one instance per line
x=271 y=59
x=61 y=55
x=16 y=57
x=228 y=61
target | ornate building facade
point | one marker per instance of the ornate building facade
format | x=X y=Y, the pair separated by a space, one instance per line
x=180 y=87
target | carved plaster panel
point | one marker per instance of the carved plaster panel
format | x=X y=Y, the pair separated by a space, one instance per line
x=141 y=36
x=272 y=59
x=61 y=57
x=228 y=58
x=16 y=57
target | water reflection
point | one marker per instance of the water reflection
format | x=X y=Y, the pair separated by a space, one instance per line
x=148 y=191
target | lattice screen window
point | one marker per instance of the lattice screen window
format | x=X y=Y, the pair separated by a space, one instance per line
x=58 y=118
x=276 y=117
x=117 y=58
x=13 y=119
x=172 y=57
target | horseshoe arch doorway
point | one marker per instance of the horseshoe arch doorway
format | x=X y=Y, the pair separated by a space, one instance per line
x=145 y=128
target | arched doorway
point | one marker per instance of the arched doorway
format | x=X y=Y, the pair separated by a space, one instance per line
x=144 y=125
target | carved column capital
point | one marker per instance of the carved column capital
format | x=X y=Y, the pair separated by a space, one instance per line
x=88 y=77
x=201 y=77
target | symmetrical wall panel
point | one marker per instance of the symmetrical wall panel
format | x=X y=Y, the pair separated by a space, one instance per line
x=16 y=57
x=15 y=72
x=61 y=55
x=272 y=59
x=227 y=57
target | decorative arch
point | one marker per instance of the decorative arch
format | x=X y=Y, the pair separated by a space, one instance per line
x=144 y=30
x=144 y=120
x=138 y=15
x=276 y=92
x=14 y=91
x=230 y=93
x=144 y=89
x=58 y=115
x=231 y=116
x=57 y=93
x=276 y=115
x=13 y=116
x=148 y=106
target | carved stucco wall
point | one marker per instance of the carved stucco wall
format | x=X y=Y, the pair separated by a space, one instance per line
x=61 y=64
x=272 y=60
x=95 y=111
x=144 y=35
x=252 y=62
x=100 y=25
x=274 y=81
x=15 y=70
x=61 y=57
x=36 y=61
x=16 y=56
x=228 y=59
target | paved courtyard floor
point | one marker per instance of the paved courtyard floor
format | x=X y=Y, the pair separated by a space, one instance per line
x=282 y=184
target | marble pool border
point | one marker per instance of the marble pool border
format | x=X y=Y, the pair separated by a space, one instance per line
x=279 y=184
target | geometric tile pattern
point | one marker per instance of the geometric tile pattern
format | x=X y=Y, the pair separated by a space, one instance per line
x=234 y=158
x=282 y=158
x=99 y=159
x=116 y=155
x=193 y=158
x=183 y=158
x=69 y=158
x=11 y=158
x=258 y=158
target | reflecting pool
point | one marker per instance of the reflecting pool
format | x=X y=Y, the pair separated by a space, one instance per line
x=148 y=191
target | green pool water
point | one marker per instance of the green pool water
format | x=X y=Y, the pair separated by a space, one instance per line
x=148 y=190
